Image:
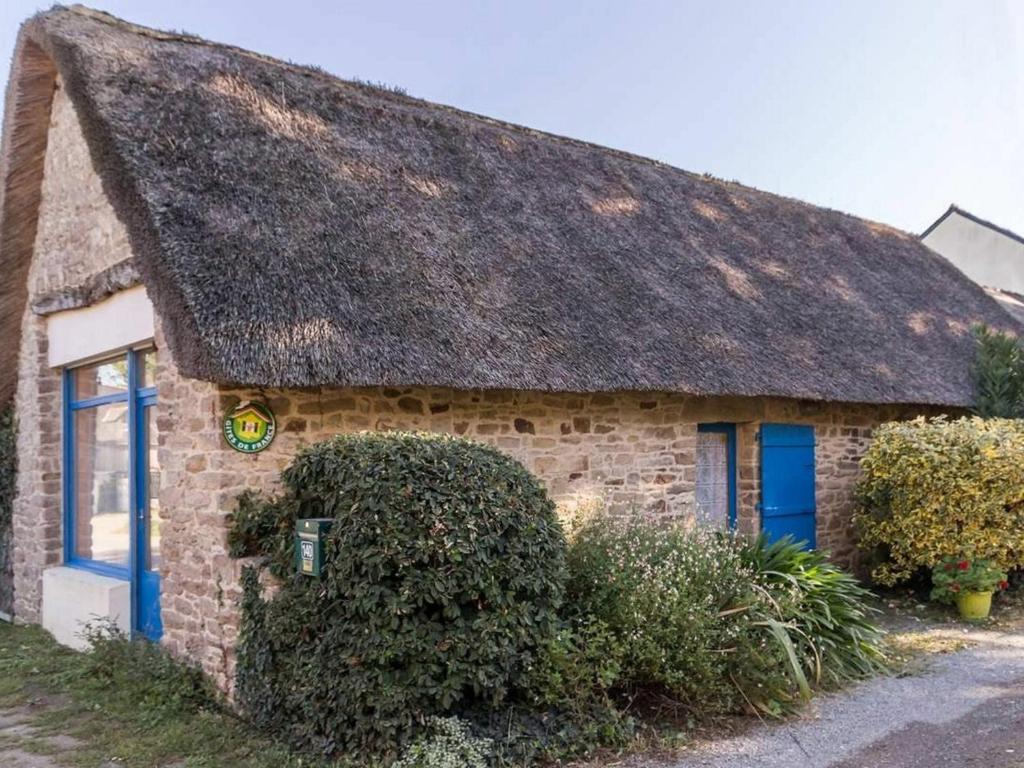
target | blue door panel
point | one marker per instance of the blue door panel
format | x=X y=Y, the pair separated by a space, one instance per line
x=147 y=581
x=797 y=435
x=788 y=506
x=149 y=622
x=799 y=527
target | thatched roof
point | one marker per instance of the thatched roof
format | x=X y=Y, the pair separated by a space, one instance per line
x=294 y=229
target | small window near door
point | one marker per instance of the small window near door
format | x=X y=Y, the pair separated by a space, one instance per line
x=716 y=476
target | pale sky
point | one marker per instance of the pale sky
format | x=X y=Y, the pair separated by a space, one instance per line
x=886 y=109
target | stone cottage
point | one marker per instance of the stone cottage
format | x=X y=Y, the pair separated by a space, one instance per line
x=186 y=227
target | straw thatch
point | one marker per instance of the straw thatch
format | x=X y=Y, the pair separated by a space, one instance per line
x=294 y=229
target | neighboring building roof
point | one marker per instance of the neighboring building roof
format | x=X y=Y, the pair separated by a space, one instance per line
x=988 y=254
x=953 y=208
x=384 y=240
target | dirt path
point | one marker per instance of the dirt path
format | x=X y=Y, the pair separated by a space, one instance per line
x=23 y=745
x=966 y=710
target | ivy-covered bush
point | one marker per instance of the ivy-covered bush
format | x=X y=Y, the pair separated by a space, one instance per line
x=933 y=488
x=568 y=704
x=445 y=570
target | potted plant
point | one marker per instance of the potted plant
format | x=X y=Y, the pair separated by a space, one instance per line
x=969 y=583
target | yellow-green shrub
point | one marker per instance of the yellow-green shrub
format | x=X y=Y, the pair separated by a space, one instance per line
x=935 y=487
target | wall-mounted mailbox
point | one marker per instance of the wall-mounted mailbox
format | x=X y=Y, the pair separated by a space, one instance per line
x=309 y=544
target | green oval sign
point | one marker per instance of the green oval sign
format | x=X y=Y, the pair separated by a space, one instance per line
x=249 y=427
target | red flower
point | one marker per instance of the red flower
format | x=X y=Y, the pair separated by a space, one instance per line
x=1004 y=584
x=954 y=587
x=963 y=565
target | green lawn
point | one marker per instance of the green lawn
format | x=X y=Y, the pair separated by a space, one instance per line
x=125 y=707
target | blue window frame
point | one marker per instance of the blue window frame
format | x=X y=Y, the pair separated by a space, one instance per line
x=106 y=477
x=716 y=473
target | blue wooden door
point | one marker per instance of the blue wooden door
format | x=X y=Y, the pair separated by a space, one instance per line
x=787 y=482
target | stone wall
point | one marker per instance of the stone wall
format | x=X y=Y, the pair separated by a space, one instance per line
x=629 y=451
x=78 y=236
x=36 y=513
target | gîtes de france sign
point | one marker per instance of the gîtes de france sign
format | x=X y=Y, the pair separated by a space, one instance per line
x=249 y=427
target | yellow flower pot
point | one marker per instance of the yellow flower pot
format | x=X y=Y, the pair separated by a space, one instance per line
x=974 y=606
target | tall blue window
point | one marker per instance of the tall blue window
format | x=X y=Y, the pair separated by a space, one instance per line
x=111 y=526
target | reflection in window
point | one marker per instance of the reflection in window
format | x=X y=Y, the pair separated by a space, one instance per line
x=145 y=362
x=101 y=379
x=102 y=492
x=713 y=479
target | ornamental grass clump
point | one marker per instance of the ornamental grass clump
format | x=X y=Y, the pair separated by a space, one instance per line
x=935 y=488
x=444 y=573
x=824 y=610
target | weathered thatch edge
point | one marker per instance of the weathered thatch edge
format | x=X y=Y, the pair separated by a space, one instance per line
x=37 y=61
x=100 y=286
x=126 y=200
x=22 y=152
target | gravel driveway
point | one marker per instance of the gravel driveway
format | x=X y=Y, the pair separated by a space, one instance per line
x=966 y=710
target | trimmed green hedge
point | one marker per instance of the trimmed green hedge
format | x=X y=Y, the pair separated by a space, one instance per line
x=445 y=570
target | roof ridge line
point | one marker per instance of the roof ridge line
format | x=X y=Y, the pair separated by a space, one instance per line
x=954 y=208
x=312 y=70
x=987 y=223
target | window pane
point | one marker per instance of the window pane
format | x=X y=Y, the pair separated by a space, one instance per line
x=101 y=483
x=108 y=378
x=713 y=479
x=145 y=363
x=152 y=492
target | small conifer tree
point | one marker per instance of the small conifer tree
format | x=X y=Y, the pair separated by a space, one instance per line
x=998 y=375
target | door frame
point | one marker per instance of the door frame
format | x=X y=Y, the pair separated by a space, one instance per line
x=141 y=513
